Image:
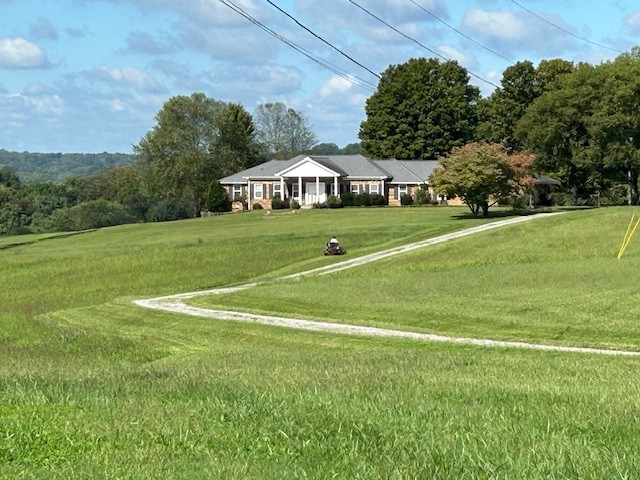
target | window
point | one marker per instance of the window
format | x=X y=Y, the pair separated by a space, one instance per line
x=237 y=192
x=257 y=191
x=374 y=188
x=277 y=191
x=402 y=189
x=355 y=188
x=295 y=191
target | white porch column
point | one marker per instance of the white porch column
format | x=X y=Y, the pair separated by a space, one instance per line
x=300 y=190
x=248 y=194
x=382 y=188
x=336 y=192
x=283 y=193
x=317 y=189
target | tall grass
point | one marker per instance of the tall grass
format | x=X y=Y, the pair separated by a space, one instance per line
x=94 y=387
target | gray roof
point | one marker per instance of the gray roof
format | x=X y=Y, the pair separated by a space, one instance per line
x=347 y=166
x=544 y=180
x=408 y=171
x=266 y=171
x=352 y=166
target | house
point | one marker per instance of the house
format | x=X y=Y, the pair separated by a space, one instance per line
x=310 y=179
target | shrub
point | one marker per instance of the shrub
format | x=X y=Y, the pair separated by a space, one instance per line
x=294 y=205
x=378 y=200
x=348 y=199
x=278 y=204
x=422 y=197
x=257 y=206
x=169 y=209
x=406 y=199
x=363 y=200
x=320 y=205
x=217 y=198
x=91 y=214
x=334 y=202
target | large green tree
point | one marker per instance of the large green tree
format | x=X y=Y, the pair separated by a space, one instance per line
x=282 y=132
x=588 y=130
x=521 y=84
x=196 y=140
x=481 y=174
x=421 y=109
x=614 y=127
x=15 y=211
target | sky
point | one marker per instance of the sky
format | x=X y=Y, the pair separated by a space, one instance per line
x=89 y=76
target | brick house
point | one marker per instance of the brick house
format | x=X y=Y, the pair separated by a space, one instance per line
x=310 y=179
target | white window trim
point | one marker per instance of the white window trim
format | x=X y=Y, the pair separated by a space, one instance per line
x=295 y=190
x=355 y=188
x=237 y=192
x=402 y=189
x=376 y=187
x=276 y=190
x=257 y=191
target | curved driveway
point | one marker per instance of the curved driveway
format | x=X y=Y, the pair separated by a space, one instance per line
x=175 y=303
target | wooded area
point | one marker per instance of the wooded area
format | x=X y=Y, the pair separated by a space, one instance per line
x=57 y=167
x=578 y=123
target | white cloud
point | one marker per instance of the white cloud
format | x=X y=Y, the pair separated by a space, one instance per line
x=144 y=42
x=49 y=105
x=510 y=32
x=128 y=77
x=632 y=21
x=452 y=53
x=233 y=81
x=335 y=84
x=503 y=25
x=19 y=53
x=21 y=106
x=209 y=12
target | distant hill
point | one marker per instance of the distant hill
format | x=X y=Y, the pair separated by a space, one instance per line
x=56 y=167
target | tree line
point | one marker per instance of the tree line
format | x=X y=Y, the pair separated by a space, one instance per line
x=172 y=174
x=34 y=167
x=579 y=123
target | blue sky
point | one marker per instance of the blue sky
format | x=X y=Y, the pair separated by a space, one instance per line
x=90 y=75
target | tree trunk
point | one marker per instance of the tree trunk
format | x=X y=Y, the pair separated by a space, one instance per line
x=632 y=179
x=197 y=209
x=485 y=209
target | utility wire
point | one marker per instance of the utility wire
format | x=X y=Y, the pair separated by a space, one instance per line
x=461 y=33
x=564 y=29
x=322 y=39
x=418 y=43
x=323 y=63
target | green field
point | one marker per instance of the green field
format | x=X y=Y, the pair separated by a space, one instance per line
x=92 y=386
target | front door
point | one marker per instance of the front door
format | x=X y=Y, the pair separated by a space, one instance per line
x=311 y=196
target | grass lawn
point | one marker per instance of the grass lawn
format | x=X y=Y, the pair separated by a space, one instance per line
x=93 y=387
x=554 y=280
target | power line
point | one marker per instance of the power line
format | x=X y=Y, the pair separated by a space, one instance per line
x=418 y=43
x=461 y=33
x=564 y=29
x=322 y=39
x=354 y=79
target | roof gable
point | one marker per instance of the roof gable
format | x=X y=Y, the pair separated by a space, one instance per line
x=308 y=167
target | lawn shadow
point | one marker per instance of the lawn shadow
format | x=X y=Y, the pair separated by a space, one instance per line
x=524 y=212
x=52 y=237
